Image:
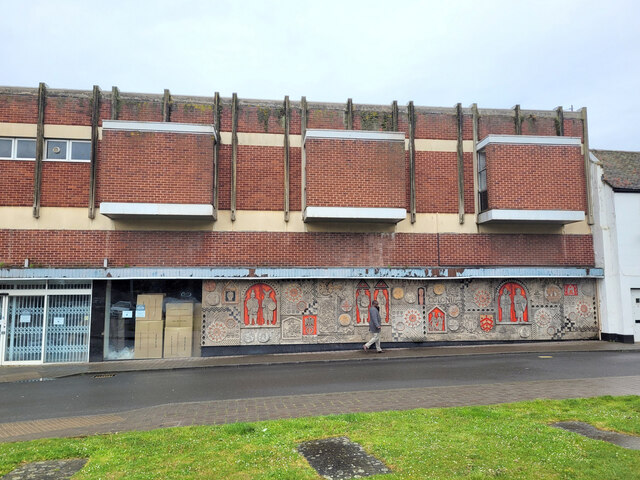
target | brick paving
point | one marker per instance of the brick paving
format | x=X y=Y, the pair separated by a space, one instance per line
x=268 y=408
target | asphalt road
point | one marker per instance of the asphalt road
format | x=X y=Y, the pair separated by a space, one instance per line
x=89 y=395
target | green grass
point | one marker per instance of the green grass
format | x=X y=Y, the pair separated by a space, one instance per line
x=512 y=441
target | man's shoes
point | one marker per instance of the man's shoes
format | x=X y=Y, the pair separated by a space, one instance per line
x=380 y=351
x=365 y=348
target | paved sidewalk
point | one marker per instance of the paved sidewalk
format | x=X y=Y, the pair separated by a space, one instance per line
x=266 y=408
x=35 y=372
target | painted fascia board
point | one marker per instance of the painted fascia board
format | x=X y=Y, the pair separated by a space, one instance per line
x=162 y=127
x=120 y=210
x=296 y=273
x=355 y=214
x=529 y=140
x=534 y=216
x=354 y=135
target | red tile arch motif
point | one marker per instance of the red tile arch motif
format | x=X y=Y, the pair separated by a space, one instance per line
x=260 y=305
x=363 y=302
x=436 y=320
x=381 y=294
x=512 y=303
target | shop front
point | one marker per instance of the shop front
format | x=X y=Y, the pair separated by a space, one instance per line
x=45 y=322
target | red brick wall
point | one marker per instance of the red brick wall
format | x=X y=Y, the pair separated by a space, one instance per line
x=355 y=173
x=535 y=177
x=437 y=125
x=16 y=183
x=496 y=125
x=65 y=184
x=326 y=118
x=536 y=125
x=66 y=110
x=224 y=177
x=437 y=182
x=140 y=110
x=220 y=249
x=155 y=167
x=191 y=112
x=260 y=178
x=514 y=250
x=19 y=108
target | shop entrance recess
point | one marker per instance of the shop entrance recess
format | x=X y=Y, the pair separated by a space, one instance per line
x=45 y=322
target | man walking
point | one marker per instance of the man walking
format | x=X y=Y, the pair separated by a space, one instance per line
x=375 y=326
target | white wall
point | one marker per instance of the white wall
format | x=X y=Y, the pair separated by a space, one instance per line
x=627 y=207
x=616 y=236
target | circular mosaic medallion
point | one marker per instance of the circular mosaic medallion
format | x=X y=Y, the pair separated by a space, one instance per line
x=543 y=317
x=293 y=293
x=551 y=331
x=248 y=337
x=454 y=311
x=587 y=289
x=264 y=337
x=400 y=326
x=302 y=306
x=346 y=306
x=209 y=285
x=584 y=309
x=412 y=318
x=344 y=319
x=454 y=325
x=216 y=332
x=482 y=298
x=212 y=298
x=398 y=293
x=573 y=316
x=230 y=323
x=410 y=297
x=525 y=332
x=438 y=288
x=553 y=293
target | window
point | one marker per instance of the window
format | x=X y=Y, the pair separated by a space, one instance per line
x=483 y=198
x=68 y=150
x=18 y=148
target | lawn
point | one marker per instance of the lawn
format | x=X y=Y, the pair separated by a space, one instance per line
x=512 y=441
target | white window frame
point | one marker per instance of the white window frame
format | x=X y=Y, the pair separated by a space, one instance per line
x=69 y=149
x=14 y=149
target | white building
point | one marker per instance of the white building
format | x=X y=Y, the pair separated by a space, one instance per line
x=616 y=233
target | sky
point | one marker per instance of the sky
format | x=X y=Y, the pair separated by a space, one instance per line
x=538 y=54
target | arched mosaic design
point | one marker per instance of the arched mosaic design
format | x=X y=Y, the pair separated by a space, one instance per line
x=436 y=323
x=381 y=294
x=260 y=305
x=512 y=303
x=363 y=302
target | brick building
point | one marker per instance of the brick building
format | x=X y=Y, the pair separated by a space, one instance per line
x=148 y=225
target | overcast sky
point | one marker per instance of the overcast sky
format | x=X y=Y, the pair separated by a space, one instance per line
x=539 y=54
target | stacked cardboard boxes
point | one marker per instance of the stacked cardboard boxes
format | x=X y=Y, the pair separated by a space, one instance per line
x=148 y=337
x=178 y=332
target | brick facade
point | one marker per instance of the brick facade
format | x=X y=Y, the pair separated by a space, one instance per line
x=535 y=177
x=355 y=173
x=153 y=167
x=148 y=166
x=269 y=249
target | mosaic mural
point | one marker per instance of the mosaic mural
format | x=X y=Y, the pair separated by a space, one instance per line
x=337 y=311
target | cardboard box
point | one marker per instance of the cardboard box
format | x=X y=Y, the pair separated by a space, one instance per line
x=196 y=350
x=179 y=315
x=177 y=342
x=148 y=339
x=149 y=307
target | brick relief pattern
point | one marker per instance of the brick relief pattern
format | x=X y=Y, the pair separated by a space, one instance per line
x=324 y=311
